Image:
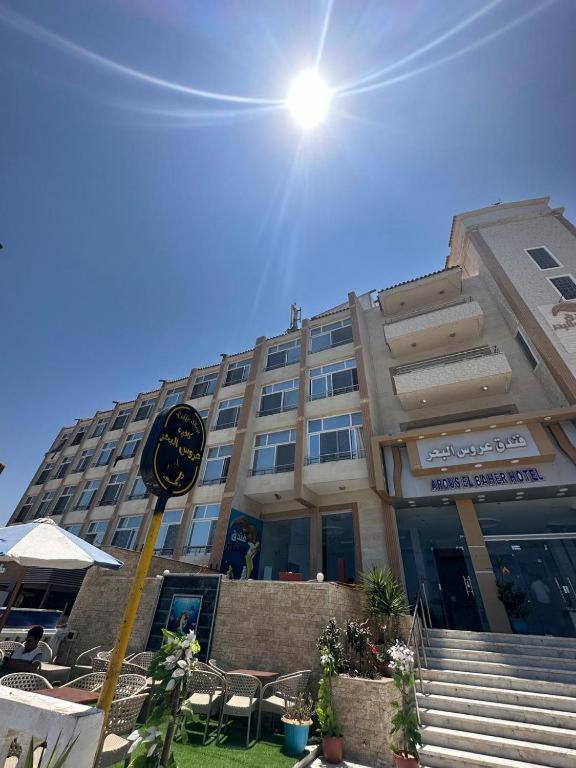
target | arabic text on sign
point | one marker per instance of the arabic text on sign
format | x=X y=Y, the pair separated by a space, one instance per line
x=497 y=444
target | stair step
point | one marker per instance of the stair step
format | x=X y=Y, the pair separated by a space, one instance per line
x=443 y=757
x=498 y=682
x=495 y=726
x=554 y=651
x=534 y=714
x=509 y=670
x=497 y=746
x=502 y=637
x=511 y=657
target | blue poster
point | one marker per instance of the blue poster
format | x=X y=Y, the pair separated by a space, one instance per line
x=241 y=557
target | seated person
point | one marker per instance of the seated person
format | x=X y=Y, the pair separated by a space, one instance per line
x=28 y=658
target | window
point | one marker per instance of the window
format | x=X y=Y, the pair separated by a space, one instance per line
x=131 y=445
x=281 y=355
x=565 y=285
x=113 y=489
x=138 y=490
x=43 y=476
x=59 y=443
x=106 y=453
x=237 y=372
x=64 y=500
x=282 y=396
x=87 y=495
x=168 y=532
x=334 y=438
x=74 y=529
x=526 y=349
x=204 y=385
x=25 y=509
x=228 y=412
x=121 y=418
x=145 y=409
x=285 y=547
x=96 y=532
x=332 y=335
x=79 y=436
x=204 y=414
x=201 y=535
x=100 y=427
x=84 y=461
x=274 y=452
x=217 y=464
x=543 y=258
x=63 y=468
x=174 y=397
x=126 y=532
x=333 y=379
x=44 y=505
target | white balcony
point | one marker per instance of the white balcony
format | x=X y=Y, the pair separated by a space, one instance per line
x=429 y=290
x=477 y=372
x=458 y=322
x=325 y=477
x=270 y=487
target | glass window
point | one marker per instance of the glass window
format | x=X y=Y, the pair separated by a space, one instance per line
x=278 y=397
x=126 y=532
x=204 y=385
x=284 y=354
x=106 y=453
x=285 y=547
x=25 y=509
x=64 y=467
x=84 y=460
x=121 y=418
x=168 y=532
x=174 y=397
x=333 y=379
x=274 y=452
x=543 y=258
x=45 y=503
x=88 y=493
x=131 y=445
x=43 y=476
x=335 y=438
x=145 y=409
x=113 y=489
x=338 y=558
x=74 y=529
x=228 y=413
x=60 y=442
x=217 y=465
x=96 y=532
x=79 y=436
x=138 y=490
x=100 y=427
x=331 y=335
x=237 y=371
x=202 y=531
x=204 y=414
x=565 y=285
x=64 y=500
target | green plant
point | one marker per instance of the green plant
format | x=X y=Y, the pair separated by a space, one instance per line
x=330 y=642
x=55 y=760
x=404 y=720
x=361 y=659
x=327 y=716
x=300 y=710
x=514 y=600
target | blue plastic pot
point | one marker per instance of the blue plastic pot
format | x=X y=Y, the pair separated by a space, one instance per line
x=296 y=736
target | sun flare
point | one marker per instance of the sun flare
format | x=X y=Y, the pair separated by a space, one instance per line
x=308 y=99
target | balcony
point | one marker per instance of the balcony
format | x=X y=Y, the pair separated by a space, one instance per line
x=271 y=485
x=330 y=473
x=456 y=322
x=424 y=291
x=474 y=373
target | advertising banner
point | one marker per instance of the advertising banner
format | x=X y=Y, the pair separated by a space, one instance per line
x=241 y=558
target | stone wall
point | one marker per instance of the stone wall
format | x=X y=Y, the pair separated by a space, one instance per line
x=364 y=712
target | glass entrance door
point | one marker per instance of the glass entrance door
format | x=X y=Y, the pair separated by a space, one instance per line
x=537 y=579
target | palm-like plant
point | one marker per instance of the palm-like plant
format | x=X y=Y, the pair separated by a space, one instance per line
x=385 y=599
x=55 y=760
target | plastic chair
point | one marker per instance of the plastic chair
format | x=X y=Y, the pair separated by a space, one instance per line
x=242 y=695
x=204 y=695
x=278 y=694
x=25 y=681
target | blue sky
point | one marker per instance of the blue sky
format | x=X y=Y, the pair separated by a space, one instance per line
x=147 y=229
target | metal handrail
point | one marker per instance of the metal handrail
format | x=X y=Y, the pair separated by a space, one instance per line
x=332 y=393
x=417 y=638
x=455 y=357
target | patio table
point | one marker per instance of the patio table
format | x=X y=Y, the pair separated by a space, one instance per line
x=77 y=695
x=263 y=676
x=55 y=672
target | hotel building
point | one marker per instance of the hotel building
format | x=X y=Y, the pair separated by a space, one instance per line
x=428 y=426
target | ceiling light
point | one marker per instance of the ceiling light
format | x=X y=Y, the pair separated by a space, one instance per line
x=492 y=426
x=443 y=469
x=445 y=499
x=443 y=434
x=520 y=422
x=468 y=430
x=547 y=418
x=484 y=388
x=477 y=466
x=562 y=490
x=421 y=437
x=514 y=461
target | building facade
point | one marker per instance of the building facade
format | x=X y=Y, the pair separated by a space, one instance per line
x=427 y=427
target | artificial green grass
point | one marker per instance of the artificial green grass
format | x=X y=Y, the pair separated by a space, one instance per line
x=231 y=752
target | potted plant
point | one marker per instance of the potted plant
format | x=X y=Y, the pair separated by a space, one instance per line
x=515 y=603
x=404 y=728
x=385 y=601
x=297 y=720
x=332 y=739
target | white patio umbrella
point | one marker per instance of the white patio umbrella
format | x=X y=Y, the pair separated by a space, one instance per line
x=43 y=544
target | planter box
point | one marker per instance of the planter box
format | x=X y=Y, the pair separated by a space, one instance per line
x=364 y=712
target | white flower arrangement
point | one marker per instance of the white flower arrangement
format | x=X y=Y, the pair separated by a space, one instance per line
x=151 y=736
x=401 y=657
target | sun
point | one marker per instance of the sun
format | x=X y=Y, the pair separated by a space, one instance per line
x=308 y=99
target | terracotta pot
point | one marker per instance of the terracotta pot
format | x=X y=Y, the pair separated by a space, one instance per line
x=405 y=762
x=333 y=748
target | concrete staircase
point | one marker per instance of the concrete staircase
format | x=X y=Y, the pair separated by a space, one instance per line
x=498 y=700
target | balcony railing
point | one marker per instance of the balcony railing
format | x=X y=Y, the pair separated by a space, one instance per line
x=225 y=425
x=197 y=550
x=332 y=345
x=164 y=551
x=134 y=496
x=214 y=481
x=340 y=456
x=434 y=362
x=282 y=409
x=332 y=392
x=275 y=366
x=271 y=470
x=427 y=310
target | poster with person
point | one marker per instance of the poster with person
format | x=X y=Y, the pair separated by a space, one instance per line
x=241 y=557
x=184 y=613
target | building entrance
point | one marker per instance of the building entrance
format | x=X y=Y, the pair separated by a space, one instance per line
x=457 y=591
